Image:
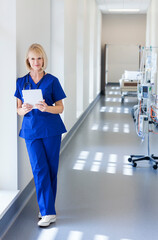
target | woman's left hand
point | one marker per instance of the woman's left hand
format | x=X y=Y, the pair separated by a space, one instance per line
x=42 y=106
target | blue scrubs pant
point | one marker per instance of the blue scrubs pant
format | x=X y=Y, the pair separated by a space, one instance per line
x=44 y=159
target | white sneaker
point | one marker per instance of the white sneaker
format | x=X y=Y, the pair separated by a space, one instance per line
x=47 y=220
x=39 y=215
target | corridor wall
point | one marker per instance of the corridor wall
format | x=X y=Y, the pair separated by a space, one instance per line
x=76 y=46
x=151 y=28
x=8 y=119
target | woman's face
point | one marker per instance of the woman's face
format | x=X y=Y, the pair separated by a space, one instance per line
x=36 y=61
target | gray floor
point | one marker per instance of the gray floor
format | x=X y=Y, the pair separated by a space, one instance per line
x=100 y=196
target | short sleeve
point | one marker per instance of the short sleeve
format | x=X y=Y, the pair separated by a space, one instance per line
x=57 y=91
x=17 y=92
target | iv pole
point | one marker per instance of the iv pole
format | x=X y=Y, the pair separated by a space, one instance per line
x=148 y=157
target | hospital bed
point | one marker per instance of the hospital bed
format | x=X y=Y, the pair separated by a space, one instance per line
x=128 y=84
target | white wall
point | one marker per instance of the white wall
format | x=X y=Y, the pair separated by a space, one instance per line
x=79 y=61
x=70 y=58
x=124 y=29
x=97 y=52
x=8 y=119
x=91 y=48
x=32 y=26
x=98 y=59
x=148 y=27
x=153 y=25
x=91 y=52
x=152 y=31
x=77 y=48
x=57 y=39
x=86 y=54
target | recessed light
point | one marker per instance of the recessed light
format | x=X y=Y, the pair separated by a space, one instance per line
x=123 y=10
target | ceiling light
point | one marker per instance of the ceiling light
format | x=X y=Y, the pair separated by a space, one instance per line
x=123 y=10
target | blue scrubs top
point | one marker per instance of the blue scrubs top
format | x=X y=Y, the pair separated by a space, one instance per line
x=37 y=124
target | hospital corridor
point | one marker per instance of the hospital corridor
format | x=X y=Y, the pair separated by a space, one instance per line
x=100 y=195
x=79 y=120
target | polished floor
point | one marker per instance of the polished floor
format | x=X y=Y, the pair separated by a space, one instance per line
x=100 y=195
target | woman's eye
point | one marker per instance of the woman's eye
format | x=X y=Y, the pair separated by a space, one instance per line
x=39 y=58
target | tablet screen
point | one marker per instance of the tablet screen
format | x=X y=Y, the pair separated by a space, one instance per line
x=32 y=96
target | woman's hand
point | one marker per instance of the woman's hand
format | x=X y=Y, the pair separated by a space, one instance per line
x=57 y=109
x=26 y=107
x=42 y=106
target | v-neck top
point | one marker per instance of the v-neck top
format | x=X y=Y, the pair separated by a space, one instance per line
x=37 y=124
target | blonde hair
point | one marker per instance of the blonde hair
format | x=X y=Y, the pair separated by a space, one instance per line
x=36 y=48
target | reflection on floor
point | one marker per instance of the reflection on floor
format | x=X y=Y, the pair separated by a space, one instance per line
x=107 y=165
x=100 y=195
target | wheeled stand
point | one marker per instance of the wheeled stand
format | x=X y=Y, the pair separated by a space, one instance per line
x=136 y=158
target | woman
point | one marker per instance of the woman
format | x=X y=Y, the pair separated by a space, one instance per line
x=42 y=128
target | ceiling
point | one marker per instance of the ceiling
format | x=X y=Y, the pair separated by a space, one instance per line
x=104 y=5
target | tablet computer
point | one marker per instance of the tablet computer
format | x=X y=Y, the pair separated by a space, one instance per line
x=32 y=96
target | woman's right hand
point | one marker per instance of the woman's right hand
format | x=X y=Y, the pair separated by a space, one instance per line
x=27 y=107
x=23 y=108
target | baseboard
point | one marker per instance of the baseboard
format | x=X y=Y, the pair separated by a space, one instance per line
x=24 y=196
